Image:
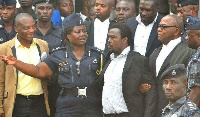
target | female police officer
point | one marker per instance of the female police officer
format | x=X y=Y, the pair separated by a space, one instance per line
x=78 y=65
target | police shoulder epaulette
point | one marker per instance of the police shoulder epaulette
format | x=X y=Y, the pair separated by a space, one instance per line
x=58 y=48
x=97 y=49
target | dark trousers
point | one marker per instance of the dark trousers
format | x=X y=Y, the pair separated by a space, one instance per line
x=25 y=107
x=117 y=115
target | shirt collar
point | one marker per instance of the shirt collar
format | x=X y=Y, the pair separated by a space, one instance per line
x=175 y=105
x=18 y=44
x=99 y=22
x=173 y=43
x=138 y=18
x=123 y=53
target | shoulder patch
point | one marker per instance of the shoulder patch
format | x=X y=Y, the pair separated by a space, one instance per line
x=97 y=49
x=58 y=48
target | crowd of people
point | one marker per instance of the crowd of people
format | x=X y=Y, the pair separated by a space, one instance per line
x=143 y=61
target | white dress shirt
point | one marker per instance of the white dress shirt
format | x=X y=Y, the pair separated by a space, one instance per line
x=142 y=34
x=165 y=51
x=112 y=96
x=100 y=33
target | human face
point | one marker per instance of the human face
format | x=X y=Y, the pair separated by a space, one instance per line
x=8 y=13
x=174 y=89
x=193 y=38
x=185 y=10
x=44 y=12
x=78 y=36
x=25 y=3
x=92 y=13
x=166 y=30
x=103 y=8
x=115 y=43
x=148 y=12
x=26 y=30
x=66 y=7
x=124 y=10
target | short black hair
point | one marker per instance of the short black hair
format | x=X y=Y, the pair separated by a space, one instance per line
x=156 y=2
x=125 y=31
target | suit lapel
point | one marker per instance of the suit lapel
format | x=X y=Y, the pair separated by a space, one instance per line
x=153 y=33
x=127 y=65
x=166 y=62
x=134 y=27
x=153 y=58
x=92 y=34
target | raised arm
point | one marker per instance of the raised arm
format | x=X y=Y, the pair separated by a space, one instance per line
x=41 y=70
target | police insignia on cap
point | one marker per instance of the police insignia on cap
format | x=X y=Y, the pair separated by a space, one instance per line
x=95 y=60
x=187 y=20
x=174 y=72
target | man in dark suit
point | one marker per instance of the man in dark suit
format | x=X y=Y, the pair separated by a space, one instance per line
x=144 y=27
x=173 y=51
x=121 y=96
x=98 y=29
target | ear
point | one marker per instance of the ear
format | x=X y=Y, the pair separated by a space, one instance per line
x=185 y=84
x=111 y=9
x=16 y=9
x=69 y=37
x=16 y=29
x=125 y=40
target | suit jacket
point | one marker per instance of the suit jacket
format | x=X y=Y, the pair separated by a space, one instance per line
x=153 y=41
x=8 y=78
x=90 y=41
x=135 y=72
x=181 y=54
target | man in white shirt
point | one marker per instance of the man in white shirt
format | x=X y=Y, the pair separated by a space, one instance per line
x=98 y=28
x=121 y=96
x=173 y=51
x=144 y=27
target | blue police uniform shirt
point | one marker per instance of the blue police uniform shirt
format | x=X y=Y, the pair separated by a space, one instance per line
x=4 y=35
x=64 y=61
x=52 y=37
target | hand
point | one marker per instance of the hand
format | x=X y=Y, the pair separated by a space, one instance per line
x=145 y=87
x=9 y=60
x=2 y=115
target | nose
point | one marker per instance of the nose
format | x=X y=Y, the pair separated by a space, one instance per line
x=168 y=86
x=121 y=11
x=5 y=11
x=97 y=7
x=32 y=30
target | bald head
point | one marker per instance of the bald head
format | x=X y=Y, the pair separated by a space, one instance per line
x=22 y=17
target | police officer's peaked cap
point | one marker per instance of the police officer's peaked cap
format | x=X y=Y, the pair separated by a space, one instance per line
x=181 y=3
x=7 y=2
x=192 y=23
x=72 y=20
x=174 y=71
x=41 y=1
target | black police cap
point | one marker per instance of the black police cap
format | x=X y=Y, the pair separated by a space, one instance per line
x=7 y=2
x=181 y=3
x=72 y=20
x=192 y=23
x=41 y=1
x=174 y=71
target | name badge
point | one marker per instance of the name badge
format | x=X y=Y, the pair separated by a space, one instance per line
x=82 y=92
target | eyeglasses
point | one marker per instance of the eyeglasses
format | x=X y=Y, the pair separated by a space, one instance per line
x=163 y=26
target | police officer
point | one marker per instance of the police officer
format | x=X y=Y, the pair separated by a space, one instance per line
x=7 y=12
x=193 y=40
x=187 y=7
x=174 y=87
x=79 y=66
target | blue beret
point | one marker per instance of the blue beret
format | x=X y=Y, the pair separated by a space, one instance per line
x=181 y=3
x=40 y=1
x=72 y=20
x=174 y=71
x=192 y=23
x=7 y=2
